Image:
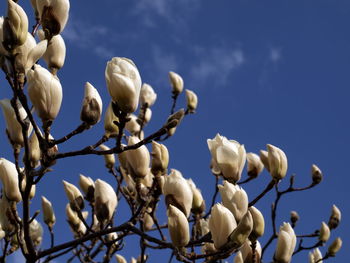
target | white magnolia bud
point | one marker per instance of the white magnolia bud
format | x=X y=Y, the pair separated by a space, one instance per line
x=325 y=232
x=36 y=232
x=72 y=217
x=23 y=50
x=9 y=179
x=178 y=227
x=265 y=159
x=32 y=189
x=235 y=199
x=148 y=220
x=315 y=256
x=247 y=253
x=132 y=125
x=177 y=192
x=138 y=159
x=204 y=226
x=335 y=247
x=221 y=225
x=48 y=213
x=316 y=174
x=285 y=244
x=259 y=223
x=74 y=195
x=198 y=204
x=15 y=27
x=87 y=185
x=229 y=156
x=242 y=231
x=13 y=127
x=176 y=82
x=335 y=217
x=147 y=95
x=34 y=150
x=5 y=215
x=111 y=129
x=105 y=201
x=148 y=115
x=92 y=105
x=45 y=92
x=109 y=158
x=120 y=259
x=123 y=83
x=278 y=163
x=192 y=101
x=254 y=165
x=35 y=54
x=160 y=158
x=53 y=15
x=55 y=53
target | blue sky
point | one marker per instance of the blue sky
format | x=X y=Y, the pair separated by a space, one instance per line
x=265 y=72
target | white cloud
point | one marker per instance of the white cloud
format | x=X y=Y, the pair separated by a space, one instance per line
x=275 y=55
x=270 y=66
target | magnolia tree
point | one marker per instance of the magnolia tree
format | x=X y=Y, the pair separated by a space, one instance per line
x=194 y=231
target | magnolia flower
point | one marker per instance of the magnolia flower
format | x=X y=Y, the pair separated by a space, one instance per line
x=15 y=26
x=138 y=160
x=242 y=231
x=92 y=105
x=176 y=82
x=74 y=195
x=109 y=158
x=254 y=165
x=88 y=186
x=147 y=219
x=55 y=53
x=335 y=217
x=147 y=116
x=192 y=101
x=335 y=247
x=235 y=199
x=9 y=179
x=316 y=174
x=34 y=150
x=45 y=92
x=72 y=217
x=285 y=244
x=264 y=159
x=160 y=158
x=36 y=232
x=198 y=204
x=177 y=192
x=106 y=201
x=48 y=213
x=221 y=225
x=53 y=15
x=13 y=128
x=258 y=223
x=111 y=129
x=277 y=162
x=246 y=253
x=147 y=96
x=315 y=256
x=123 y=83
x=120 y=259
x=178 y=227
x=325 y=232
x=228 y=157
x=132 y=125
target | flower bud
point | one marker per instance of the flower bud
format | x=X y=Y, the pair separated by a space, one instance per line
x=198 y=203
x=325 y=232
x=111 y=129
x=88 y=186
x=45 y=92
x=234 y=198
x=264 y=159
x=34 y=55
x=15 y=26
x=74 y=196
x=13 y=128
x=238 y=258
x=316 y=174
x=106 y=201
x=120 y=259
x=285 y=244
x=258 y=224
x=228 y=156
x=53 y=15
x=148 y=220
x=247 y=253
x=335 y=217
x=132 y=125
x=241 y=233
x=315 y=256
x=48 y=213
x=7 y=221
x=36 y=232
x=277 y=162
x=176 y=82
x=147 y=96
x=23 y=186
x=138 y=159
x=294 y=217
x=123 y=83
x=55 y=53
x=177 y=192
x=9 y=179
x=109 y=158
x=92 y=105
x=221 y=225
x=160 y=158
x=254 y=165
x=72 y=217
x=335 y=247
x=34 y=151
x=192 y=101
x=148 y=115
x=178 y=227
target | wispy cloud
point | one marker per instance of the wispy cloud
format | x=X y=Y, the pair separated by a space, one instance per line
x=270 y=65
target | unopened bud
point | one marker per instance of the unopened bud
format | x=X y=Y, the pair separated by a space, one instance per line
x=316 y=173
x=178 y=227
x=111 y=129
x=92 y=105
x=174 y=120
x=88 y=186
x=48 y=213
x=254 y=165
x=192 y=101
x=335 y=217
x=324 y=232
x=160 y=158
x=74 y=196
x=294 y=217
x=176 y=82
x=335 y=247
x=109 y=158
x=258 y=223
x=264 y=159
